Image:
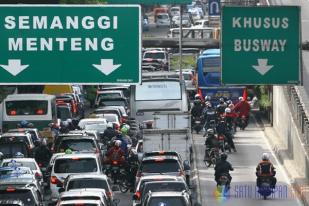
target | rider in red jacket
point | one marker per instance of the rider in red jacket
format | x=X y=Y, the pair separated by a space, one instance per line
x=242 y=108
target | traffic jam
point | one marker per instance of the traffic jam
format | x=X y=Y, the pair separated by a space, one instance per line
x=121 y=144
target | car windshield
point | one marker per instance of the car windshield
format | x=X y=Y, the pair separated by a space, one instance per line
x=14 y=139
x=26 y=107
x=77 y=145
x=80 y=197
x=82 y=123
x=163 y=186
x=163 y=166
x=75 y=165
x=64 y=113
x=104 y=102
x=155 y=201
x=25 y=196
x=97 y=127
x=87 y=183
x=30 y=165
x=154 y=55
x=162 y=16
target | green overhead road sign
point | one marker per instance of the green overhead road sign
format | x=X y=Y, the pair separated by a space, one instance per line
x=261 y=45
x=58 y=44
x=149 y=2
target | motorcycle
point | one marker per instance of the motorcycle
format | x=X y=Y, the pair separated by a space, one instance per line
x=46 y=174
x=223 y=144
x=223 y=183
x=211 y=156
x=242 y=122
x=265 y=189
x=113 y=170
x=197 y=124
x=124 y=183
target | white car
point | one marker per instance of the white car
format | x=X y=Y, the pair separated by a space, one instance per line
x=175 y=11
x=83 y=122
x=186 y=22
x=163 y=19
x=204 y=23
x=67 y=164
x=25 y=162
x=80 y=202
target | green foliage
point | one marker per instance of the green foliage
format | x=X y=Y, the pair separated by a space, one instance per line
x=82 y=1
x=264 y=99
x=188 y=62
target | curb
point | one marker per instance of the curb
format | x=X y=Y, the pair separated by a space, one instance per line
x=196 y=173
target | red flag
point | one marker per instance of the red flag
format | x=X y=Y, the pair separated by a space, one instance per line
x=244 y=94
x=199 y=91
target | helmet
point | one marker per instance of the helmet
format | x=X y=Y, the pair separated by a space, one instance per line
x=221 y=100
x=207 y=98
x=197 y=96
x=129 y=146
x=265 y=156
x=229 y=102
x=210 y=131
x=227 y=110
x=109 y=125
x=68 y=151
x=231 y=106
x=118 y=143
x=124 y=130
x=19 y=155
x=126 y=126
x=223 y=156
x=240 y=98
x=1 y=155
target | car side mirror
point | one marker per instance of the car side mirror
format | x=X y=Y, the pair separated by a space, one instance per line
x=61 y=190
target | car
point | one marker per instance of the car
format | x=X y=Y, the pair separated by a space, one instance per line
x=25 y=162
x=163 y=186
x=124 y=88
x=11 y=203
x=95 y=181
x=66 y=164
x=60 y=99
x=84 y=194
x=108 y=94
x=186 y=21
x=79 y=144
x=162 y=19
x=188 y=77
x=203 y=23
x=167 y=198
x=157 y=59
x=24 y=138
x=151 y=178
x=64 y=112
x=174 y=11
x=86 y=121
x=169 y=165
x=28 y=195
x=80 y=202
x=34 y=132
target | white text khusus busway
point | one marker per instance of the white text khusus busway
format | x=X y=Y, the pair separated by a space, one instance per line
x=258 y=24
x=34 y=23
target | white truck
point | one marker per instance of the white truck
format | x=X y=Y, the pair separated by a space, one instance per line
x=171 y=132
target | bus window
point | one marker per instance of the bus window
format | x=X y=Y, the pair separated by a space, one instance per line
x=26 y=107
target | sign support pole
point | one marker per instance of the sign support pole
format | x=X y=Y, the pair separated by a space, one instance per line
x=180 y=44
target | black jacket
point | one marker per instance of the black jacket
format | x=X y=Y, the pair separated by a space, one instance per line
x=223 y=166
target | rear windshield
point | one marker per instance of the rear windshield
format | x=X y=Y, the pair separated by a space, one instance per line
x=26 y=107
x=163 y=186
x=81 y=198
x=155 y=201
x=64 y=113
x=160 y=166
x=82 y=204
x=30 y=165
x=14 y=139
x=155 y=55
x=87 y=183
x=111 y=103
x=77 y=145
x=9 y=150
x=75 y=165
x=109 y=95
x=24 y=195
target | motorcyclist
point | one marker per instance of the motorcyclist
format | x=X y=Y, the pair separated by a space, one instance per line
x=230 y=118
x=209 y=115
x=222 y=129
x=132 y=165
x=109 y=132
x=223 y=167
x=243 y=109
x=124 y=131
x=116 y=153
x=221 y=107
x=42 y=153
x=210 y=142
x=265 y=169
x=124 y=143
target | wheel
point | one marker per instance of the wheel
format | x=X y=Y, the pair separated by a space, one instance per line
x=123 y=186
x=265 y=197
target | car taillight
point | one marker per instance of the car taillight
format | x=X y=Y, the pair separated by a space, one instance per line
x=114 y=162
x=54 y=180
x=137 y=195
x=123 y=119
x=40 y=165
x=109 y=194
x=10 y=189
x=37 y=175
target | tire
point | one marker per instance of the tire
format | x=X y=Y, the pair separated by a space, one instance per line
x=123 y=184
x=265 y=197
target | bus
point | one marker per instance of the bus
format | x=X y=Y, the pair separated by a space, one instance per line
x=159 y=92
x=209 y=78
x=38 y=109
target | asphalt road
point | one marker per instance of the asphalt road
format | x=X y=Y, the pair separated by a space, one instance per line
x=250 y=145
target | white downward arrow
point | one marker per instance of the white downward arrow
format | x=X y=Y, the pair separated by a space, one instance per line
x=14 y=66
x=262 y=66
x=107 y=66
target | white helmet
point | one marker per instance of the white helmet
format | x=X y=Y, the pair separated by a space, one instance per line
x=118 y=143
x=110 y=124
x=227 y=110
x=265 y=156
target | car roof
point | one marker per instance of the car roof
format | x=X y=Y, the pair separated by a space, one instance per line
x=161 y=157
x=75 y=137
x=83 y=192
x=159 y=177
x=167 y=194
x=17 y=134
x=23 y=130
x=109 y=91
x=77 y=202
x=87 y=176
x=93 y=120
x=19 y=160
x=74 y=155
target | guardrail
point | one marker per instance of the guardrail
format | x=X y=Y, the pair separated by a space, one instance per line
x=298 y=113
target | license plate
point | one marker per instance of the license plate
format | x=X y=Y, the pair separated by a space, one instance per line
x=197 y=122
